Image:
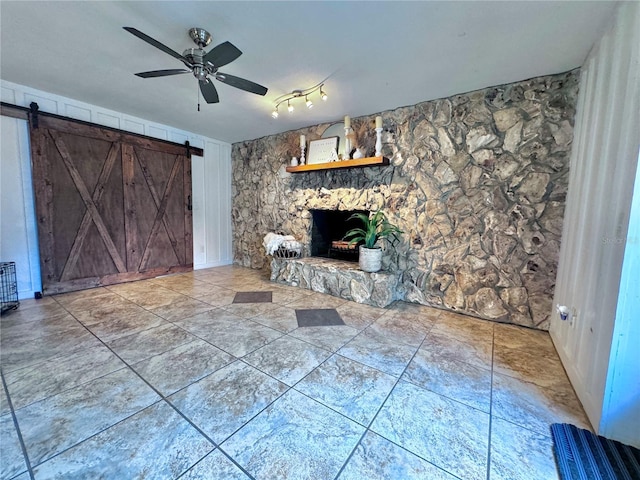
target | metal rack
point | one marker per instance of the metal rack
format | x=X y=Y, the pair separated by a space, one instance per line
x=287 y=253
x=8 y=287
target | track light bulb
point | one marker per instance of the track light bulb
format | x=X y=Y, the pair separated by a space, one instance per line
x=274 y=114
x=289 y=106
x=309 y=103
x=323 y=95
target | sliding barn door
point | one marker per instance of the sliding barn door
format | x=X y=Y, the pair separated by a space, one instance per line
x=111 y=207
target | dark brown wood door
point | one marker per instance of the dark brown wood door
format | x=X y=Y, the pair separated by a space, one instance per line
x=111 y=207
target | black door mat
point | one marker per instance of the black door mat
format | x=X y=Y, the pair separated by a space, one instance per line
x=582 y=455
x=252 y=297
x=318 y=317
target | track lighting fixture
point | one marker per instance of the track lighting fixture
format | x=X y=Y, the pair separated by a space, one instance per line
x=299 y=94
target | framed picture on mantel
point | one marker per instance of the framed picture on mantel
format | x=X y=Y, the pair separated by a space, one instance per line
x=324 y=150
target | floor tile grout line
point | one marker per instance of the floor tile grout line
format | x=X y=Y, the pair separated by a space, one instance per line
x=350 y=456
x=198 y=336
x=524 y=427
x=71 y=388
x=292 y=387
x=447 y=396
x=162 y=399
x=170 y=322
x=490 y=367
x=66 y=355
x=395 y=385
x=455 y=400
x=95 y=434
x=332 y=353
x=16 y=425
x=368 y=427
x=242 y=469
x=385 y=401
x=181 y=414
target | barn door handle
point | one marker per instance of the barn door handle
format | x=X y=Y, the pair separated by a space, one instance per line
x=189 y=205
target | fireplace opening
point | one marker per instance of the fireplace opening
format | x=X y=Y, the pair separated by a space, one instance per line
x=328 y=229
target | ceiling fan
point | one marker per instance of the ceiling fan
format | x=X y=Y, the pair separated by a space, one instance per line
x=202 y=64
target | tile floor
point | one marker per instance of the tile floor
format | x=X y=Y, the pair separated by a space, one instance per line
x=167 y=378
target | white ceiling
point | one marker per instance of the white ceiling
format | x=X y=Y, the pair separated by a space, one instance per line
x=375 y=55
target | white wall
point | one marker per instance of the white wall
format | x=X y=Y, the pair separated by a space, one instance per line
x=211 y=182
x=621 y=409
x=596 y=222
x=18 y=234
x=212 y=221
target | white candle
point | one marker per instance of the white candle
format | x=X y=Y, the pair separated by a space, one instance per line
x=378 y=122
x=347 y=121
x=303 y=141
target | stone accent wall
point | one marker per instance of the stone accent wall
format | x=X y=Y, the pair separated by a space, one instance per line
x=477 y=182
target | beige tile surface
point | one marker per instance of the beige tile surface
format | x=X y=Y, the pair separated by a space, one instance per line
x=179 y=367
x=466 y=383
x=287 y=359
x=350 y=388
x=520 y=454
x=378 y=458
x=54 y=424
x=295 y=438
x=378 y=351
x=446 y=433
x=103 y=387
x=224 y=401
x=535 y=407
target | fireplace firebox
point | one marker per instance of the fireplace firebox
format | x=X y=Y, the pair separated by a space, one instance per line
x=328 y=229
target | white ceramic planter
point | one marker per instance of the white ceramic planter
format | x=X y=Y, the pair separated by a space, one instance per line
x=370 y=259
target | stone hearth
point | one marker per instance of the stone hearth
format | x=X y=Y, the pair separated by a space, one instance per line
x=339 y=278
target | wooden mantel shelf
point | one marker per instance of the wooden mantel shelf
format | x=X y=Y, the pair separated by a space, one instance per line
x=356 y=163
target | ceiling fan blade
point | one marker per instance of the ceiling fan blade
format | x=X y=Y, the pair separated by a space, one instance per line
x=241 y=83
x=157 y=44
x=161 y=73
x=209 y=91
x=223 y=54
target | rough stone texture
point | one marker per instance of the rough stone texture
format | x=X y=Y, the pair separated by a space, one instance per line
x=476 y=181
x=337 y=278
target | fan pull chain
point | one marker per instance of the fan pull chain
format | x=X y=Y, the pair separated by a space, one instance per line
x=198 y=89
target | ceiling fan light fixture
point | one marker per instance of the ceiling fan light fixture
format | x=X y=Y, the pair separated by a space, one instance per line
x=202 y=64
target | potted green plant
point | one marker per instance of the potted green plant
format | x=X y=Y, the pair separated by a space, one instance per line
x=374 y=228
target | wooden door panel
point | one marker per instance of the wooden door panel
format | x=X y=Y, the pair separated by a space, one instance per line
x=67 y=209
x=107 y=196
x=166 y=191
x=108 y=211
x=90 y=263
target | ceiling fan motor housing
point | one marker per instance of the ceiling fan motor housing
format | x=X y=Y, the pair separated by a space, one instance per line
x=195 y=56
x=200 y=36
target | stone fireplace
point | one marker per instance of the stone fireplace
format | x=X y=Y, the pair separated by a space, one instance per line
x=328 y=228
x=476 y=181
